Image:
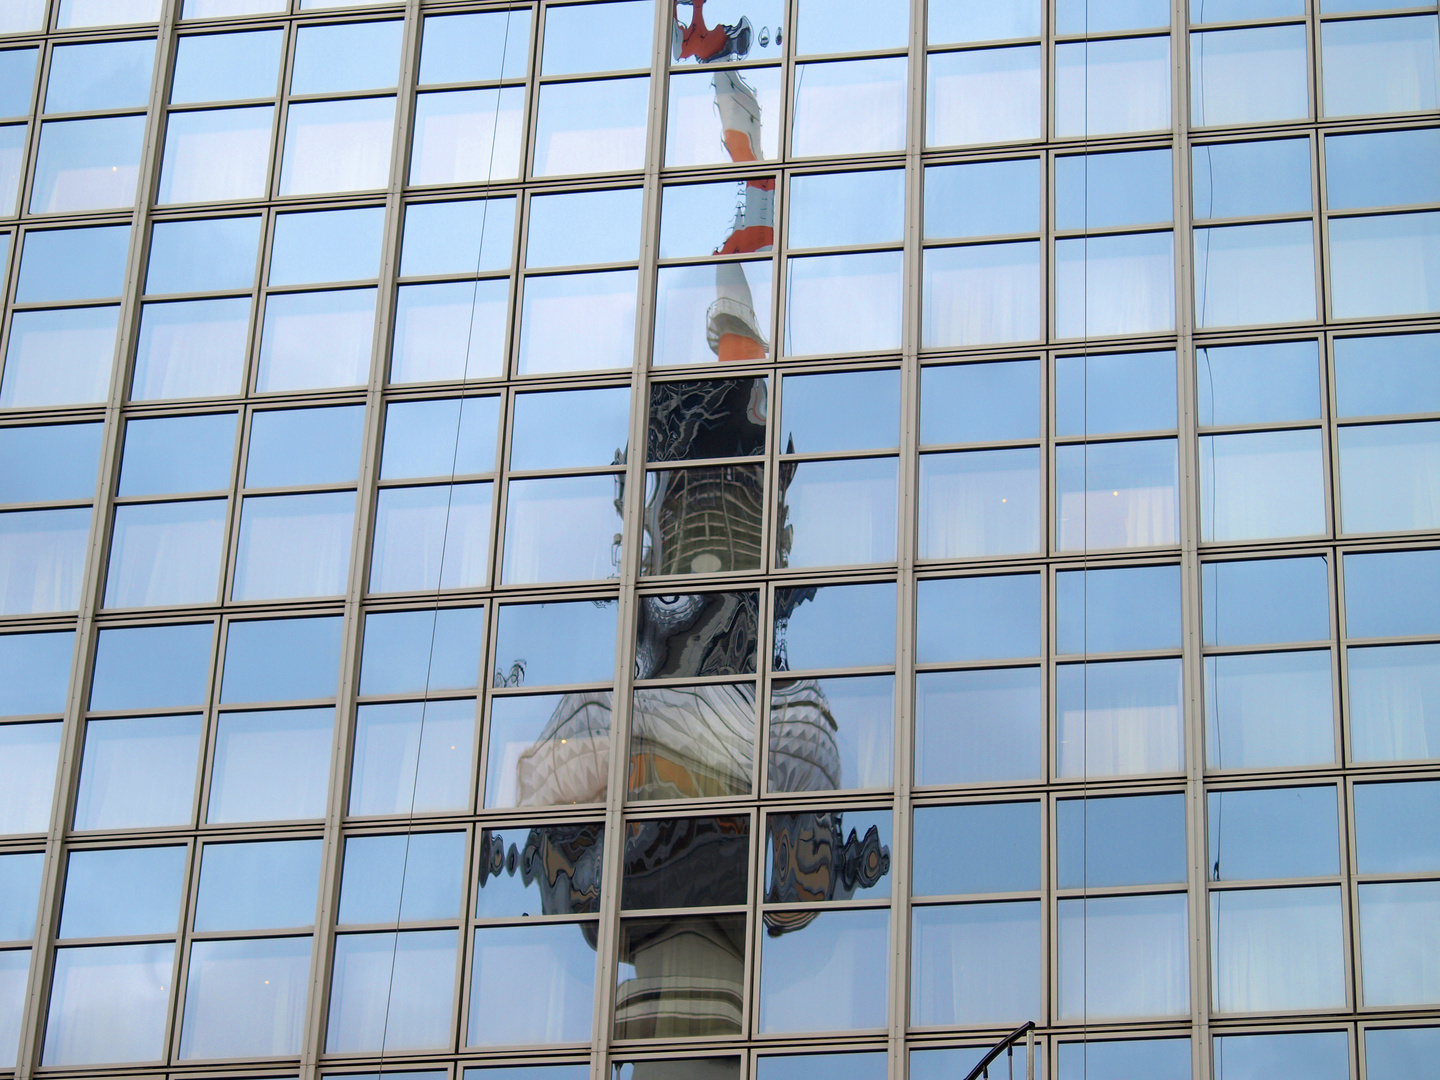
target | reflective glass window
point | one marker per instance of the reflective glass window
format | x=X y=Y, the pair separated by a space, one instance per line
x=346 y=56
x=60 y=357
x=843 y=303
x=1116 y=494
x=979 y=20
x=412 y=758
x=1380 y=375
x=981 y=502
x=1273 y=833
x=1321 y=1055
x=1277 y=949
x=331 y=245
x=445 y=437
x=570 y=429
x=525 y=731
x=49 y=464
x=834 y=626
x=1158 y=1059
x=166 y=553
x=478 y=47
x=337 y=145
x=1380 y=65
x=1371 y=261
x=121 y=892
x=1253 y=384
x=982 y=198
x=280 y=659
x=264 y=885
x=203 y=255
x=1112 y=86
x=577 y=322
x=561 y=530
x=457 y=237
x=555 y=644
x=1398 y=943
x=226 y=67
x=1117 y=610
x=1392 y=593
x=992 y=402
x=849 y=107
x=978 y=726
x=109 y=1003
x=981 y=294
x=34 y=672
x=1264 y=602
x=845 y=411
x=978 y=618
x=138 y=772
x=545 y=870
x=975 y=964
x=431 y=537
x=1124 y=956
x=392 y=991
x=414 y=878
x=803 y=989
x=1098 y=191
x=585 y=127
x=1399 y=1053
x=450 y=330
x=411 y=651
x=30 y=755
x=465 y=136
x=690 y=742
x=1396 y=827
x=304 y=446
x=831 y=734
x=191 y=349
x=584 y=227
x=20 y=890
x=983 y=96
x=699 y=134
x=1262 y=484
x=1269 y=709
x=1119 y=718
x=556 y=1004
x=292 y=546
x=87 y=165
x=104 y=75
x=835 y=209
x=178 y=454
x=72 y=264
x=216 y=155
x=1248 y=76
x=75 y=13
x=1382 y=168
x=1248 y=179
x=1101 y=395
x=271 y=766
x=151 y=667
x=245 y=998
x=17 y=79
x=1129 y=840
x=979 y=848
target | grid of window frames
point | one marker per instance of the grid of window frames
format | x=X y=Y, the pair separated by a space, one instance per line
x=1023 y=608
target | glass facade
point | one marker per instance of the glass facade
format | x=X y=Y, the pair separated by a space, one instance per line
x=421 y=655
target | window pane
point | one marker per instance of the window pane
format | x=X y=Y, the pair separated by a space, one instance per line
x=834 y=626
x=1273 y=833
x=980 y=294
x=979 y=848
x=431 y=537
x=226 y=67
x=979 y=20
x=178 y=454
x=271 y=766
x=983 y=198
x=1101 y=395
x=572 y=429
x=561 y=530
x=1114 y=285
x=1382 y=168
x=1124 y=956
x=553 y=1005
x=197 y=348
x=17 y=66
x=332 y=245
x=59 y=357
x=1269 y=710
x=72 y=264
x=542 y=888
x=1116 y=494
x=698 y=634
x=831 y=209
x=280 y=659
x=1099 y=191
x=691 y=329
x=14 y=972
x=1155 y=1059
x=1112 y=86
x=1262 y=274
x=216 y=156
x=468 y=136
x=556 y=644
x=259 y=886
x=340 y=57
x=466 y=237
x=1248 y=76
x=166 y=553
x=1380 y=65
x=109 y=1004
x=152 y=667
x=584 y=228
x=409 y=651
x=975 y=964
x=1273 y=949
x=978 y=618
x=105 y=75
x=294 y=545
x=12 y=149
x=983 y=96
x=1131 y=840
x=576 y=38
x=843 y=303
x=1310 y=1055
x=813 y=533
x=1252 y=384
x=549 y=750
x=1395 y=703
x=123 y=891
x=831 y=734
x=42 y=556
x=984 y=502
x=87 y=164
x=475 y=48
x=203 y=255
x=850 y=107
x=245 y=998
x=1399 y=1053
x=658 y=854
x=979 y=726
x=1118 y=610
x=1386 y=477
x=1392 y=374
x=699 y=987
x=443 y=437
x=1384 y=265
x=106 y=12
x=29 y=754
x=1386 y=841
x=138 y=773
x=961 y=403
x=425 y=869
x=337 y=146
x=577 y=322
x=449 y=330
x=830 y=974
x=1262 y=484
x=1251 y=179
x=1119 y=718
x=20 y=890
x=291 y=447
x=704 y=520
x=51 y=463
x=1087 y=17
x=1392 y=593
x=203 y=9
x=316 y=340
x=864 y=1066
x=585 y=127
x=718 y=118
x=412 y=758
x=392 y=991
x=34 y=672
x=689 y=742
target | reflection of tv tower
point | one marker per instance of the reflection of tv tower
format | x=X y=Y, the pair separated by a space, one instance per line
x=731 y=326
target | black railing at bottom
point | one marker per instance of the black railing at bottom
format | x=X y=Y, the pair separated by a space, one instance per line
x=1005 y=1045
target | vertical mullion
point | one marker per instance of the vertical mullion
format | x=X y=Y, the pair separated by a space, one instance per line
x=92 y=590
x=632 y=529
x=332 y=852
x=905 y=547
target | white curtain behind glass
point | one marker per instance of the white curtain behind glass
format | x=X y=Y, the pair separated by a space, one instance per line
x=1277 y=949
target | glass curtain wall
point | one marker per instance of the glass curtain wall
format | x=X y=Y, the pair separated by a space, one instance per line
x=719 y=540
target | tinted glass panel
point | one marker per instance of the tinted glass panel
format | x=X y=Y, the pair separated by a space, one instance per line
x=1118 y=610
x=1273 y=833
x=281 y=659
x=259 y=886
x=981 y=848
x=1135 y=840
x=556 y=644
x=835 y=626
x=149 y=667
x=123 y=891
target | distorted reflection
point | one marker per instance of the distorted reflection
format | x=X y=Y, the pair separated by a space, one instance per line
x=733 y=329
x=697 y=634
x=554 y=870
x=681 y=976
x=705 y=520
x=706 y=1068
x=692 y=742
x=810 y=859
x=686 y=862
x=548 y=750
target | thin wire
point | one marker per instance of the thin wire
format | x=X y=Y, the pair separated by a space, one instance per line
x=1085 y=578
x=444 y=541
